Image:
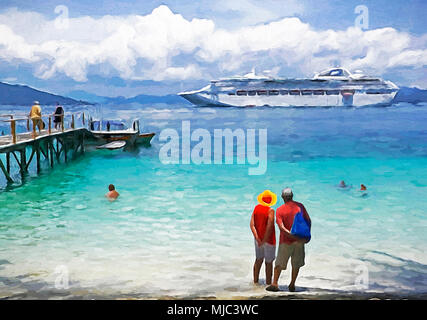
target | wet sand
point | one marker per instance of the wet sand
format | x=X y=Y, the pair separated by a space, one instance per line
x=283 y=295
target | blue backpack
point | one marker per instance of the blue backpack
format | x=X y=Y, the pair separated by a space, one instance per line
x=300 y=227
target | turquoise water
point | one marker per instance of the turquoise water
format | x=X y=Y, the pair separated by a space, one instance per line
x=183 y=230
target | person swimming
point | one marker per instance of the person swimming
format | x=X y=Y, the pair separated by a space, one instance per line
x=112 y=194
x=363 y=191
x=343 y=185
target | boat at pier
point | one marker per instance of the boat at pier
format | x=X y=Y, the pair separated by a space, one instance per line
x=107 y=131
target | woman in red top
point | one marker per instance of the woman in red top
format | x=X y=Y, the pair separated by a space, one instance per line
x=262 y=226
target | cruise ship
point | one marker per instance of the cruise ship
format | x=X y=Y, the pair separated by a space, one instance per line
x=332 y=87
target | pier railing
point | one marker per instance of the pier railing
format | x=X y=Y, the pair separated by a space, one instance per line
x=31 y=126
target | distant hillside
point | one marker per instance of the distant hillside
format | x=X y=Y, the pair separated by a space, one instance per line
x=86 y=96
x=24 y=95
x=142 y=98
x=410 y=95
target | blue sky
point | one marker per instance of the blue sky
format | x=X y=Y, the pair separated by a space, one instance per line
x=131 y=47
x=404 y=15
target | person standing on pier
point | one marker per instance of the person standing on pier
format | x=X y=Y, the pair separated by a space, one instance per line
x=59 y=114
x=36 y=116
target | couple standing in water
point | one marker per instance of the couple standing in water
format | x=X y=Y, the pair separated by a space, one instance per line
x=291 y=246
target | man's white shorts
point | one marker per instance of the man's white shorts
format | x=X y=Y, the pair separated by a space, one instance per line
x=266 y=251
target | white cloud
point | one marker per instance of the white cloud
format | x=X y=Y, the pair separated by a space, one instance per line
x=149 y=47
x=14 y=47
x=239 y=13
x=9 y=79
x=409 y=58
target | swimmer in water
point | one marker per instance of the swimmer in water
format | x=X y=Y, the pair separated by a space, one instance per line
x=364 y=191
x=112 y=194
x=344 y=186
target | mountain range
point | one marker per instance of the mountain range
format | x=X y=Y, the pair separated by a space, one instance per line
x=411 y=95
x=15 y=94
x=142 y=98
x=24 y=95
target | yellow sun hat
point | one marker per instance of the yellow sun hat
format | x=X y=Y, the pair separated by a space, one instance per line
x=267 y=198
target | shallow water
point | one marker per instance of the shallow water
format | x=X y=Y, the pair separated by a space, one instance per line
x=183 y=230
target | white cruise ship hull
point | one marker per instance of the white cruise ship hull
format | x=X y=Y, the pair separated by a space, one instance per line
x=335 y=100
x=332 y=88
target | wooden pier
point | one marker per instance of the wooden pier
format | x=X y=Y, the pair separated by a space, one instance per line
x=49 y=145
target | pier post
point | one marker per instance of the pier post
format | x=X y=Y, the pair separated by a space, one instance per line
x=38 y=156
x=31 y=158
x=72 y=121
x=57 y=151
x=82 y=148
x=8 y=162
x=50 y=125
x=23 y=162
x=46 y=149
x=62 y=122
x=13 y=130
x=50 y=149
x=6 y=174
x=65 y=149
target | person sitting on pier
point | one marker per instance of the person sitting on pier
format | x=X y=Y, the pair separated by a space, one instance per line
x=59 y=113
x=36 y=116
x=112 y=194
